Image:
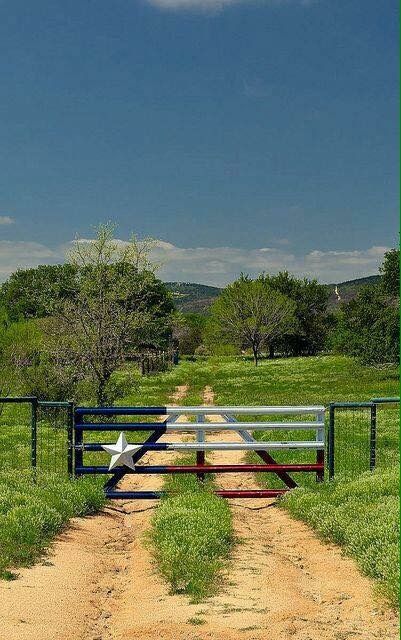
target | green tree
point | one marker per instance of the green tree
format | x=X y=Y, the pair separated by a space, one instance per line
x=368 y=327
x=390 y=270
x=119 y=306
x=307 y=335
x=188 y=332
x=36 y=292
x=251 y=314
x=27 y=365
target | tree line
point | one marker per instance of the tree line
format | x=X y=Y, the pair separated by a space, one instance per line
x=66 y=330
x=288 y=316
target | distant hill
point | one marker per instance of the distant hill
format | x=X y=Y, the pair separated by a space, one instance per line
x=191 y=297
x=346 y=291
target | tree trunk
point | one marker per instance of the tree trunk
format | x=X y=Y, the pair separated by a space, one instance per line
x=271 y=351
x=255 y=356
x=101 y=391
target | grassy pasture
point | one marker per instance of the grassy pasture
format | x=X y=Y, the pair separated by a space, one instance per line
x=359 y=511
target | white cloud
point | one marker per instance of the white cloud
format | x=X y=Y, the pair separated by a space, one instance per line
x=217 y=5
x=6 y=220
x=22 y=255
x=219 y=265
x=216 y=265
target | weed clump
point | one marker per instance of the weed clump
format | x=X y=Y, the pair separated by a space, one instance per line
x=191 y=536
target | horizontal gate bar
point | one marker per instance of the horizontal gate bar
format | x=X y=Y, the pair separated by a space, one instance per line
x=207 y=468
x=22 y=399
x=240 y=493
x=244 y=410
x=121 y=411
x=212 y=446
x=200 y=410
x=120 y=426
x=254 y=426
x=195 y=426
x=250 y=493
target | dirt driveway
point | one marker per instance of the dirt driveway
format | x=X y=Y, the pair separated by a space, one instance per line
x=99 y=582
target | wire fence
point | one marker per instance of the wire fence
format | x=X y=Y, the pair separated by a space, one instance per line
x=362 y=436
x=16 y=433
x=53 y=446
x=38 y=436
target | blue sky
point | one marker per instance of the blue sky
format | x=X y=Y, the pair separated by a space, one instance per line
x=243 y=135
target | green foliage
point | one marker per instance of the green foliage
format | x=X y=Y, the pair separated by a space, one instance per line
x=250 y=314
x=120 y=306
x=85 y=318
x=391 y=272
x=368 y=327
x=31 y=514
x=36 y=292
x=361 y=515
x=191 y=536
x=29 y=363
x=187 y=332
x=308 y=333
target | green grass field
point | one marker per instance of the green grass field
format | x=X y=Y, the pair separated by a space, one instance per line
x=357 y=511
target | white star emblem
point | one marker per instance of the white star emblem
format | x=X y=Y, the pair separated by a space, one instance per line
x=121 y=452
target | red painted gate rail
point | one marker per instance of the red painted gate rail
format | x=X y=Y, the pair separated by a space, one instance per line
x=85 y=420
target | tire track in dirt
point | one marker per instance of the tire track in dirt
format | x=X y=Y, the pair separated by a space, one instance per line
x=281 y=583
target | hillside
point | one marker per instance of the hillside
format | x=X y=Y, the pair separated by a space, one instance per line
x=191 y=297
x=346 y=291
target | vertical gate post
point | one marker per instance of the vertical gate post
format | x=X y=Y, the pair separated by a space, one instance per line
x=320 y=452
x=78 y=441
x=372 y=443
x=70 y=439
x=200 y=455
x=331 y=440
x=34 y=434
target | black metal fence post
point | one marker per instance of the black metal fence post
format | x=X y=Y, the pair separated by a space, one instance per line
x=331 y=441
x=34 y=434
x=78 y=445
x=70 y=439
x=372 y=444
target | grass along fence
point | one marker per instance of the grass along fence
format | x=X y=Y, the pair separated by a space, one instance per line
x=346 y=503
x=41 y=435
x=36 y=435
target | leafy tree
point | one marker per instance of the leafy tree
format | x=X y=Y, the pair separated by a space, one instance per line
x=251 y=314
x=390 y=270
x=119 y=305
x=27 y=365
x=188 y=332
x=36 y=292
x=368 y=327
x=308 y=333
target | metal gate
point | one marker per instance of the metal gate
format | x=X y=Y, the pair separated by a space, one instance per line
x=199 y=421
